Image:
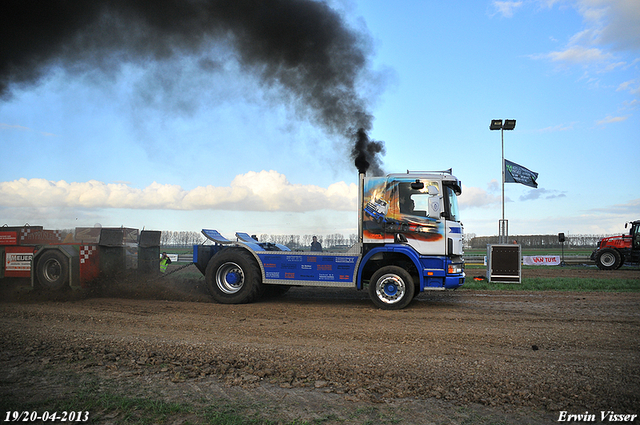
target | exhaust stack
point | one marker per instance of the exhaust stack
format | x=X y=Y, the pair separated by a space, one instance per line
x=360 y=206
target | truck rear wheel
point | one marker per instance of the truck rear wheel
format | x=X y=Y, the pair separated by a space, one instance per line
x=52 y=271
x=608 y=259
x=233 y=277
x=391 y=288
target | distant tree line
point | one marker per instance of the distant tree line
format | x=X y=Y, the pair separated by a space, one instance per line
x=180 y=239
x=538 y=241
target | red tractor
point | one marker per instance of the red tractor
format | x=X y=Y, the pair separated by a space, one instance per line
x=614 y=251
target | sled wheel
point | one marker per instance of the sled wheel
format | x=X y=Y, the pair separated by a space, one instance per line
x=52 y=271
x=608 y=259
x=233 y=277
x=391 y=288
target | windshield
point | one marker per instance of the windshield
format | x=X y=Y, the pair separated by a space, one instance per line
x=452 y=203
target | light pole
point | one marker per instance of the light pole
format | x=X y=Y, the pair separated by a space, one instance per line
x=503 y=227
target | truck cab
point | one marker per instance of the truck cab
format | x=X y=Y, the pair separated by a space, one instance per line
x=420 y=232
x=420 y=210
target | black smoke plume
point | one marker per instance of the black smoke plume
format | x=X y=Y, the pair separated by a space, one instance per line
x=366 y=154
x=303 y=46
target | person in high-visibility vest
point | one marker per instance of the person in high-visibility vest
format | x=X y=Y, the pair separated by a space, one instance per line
x=164 y=262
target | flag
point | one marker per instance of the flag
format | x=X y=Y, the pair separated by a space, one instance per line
x=514 y=173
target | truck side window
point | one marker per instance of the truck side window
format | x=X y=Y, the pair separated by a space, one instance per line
x=413 y=202
x=421 y=204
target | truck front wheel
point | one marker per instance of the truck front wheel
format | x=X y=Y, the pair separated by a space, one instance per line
x=52 y=270
x=391 y=288
x=233 y=277
x=608 y=259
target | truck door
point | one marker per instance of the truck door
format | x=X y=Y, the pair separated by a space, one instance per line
x=415 y=212
x=453 y=227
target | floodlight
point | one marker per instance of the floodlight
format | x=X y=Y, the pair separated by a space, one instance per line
x=495 y=125
x=509 y=124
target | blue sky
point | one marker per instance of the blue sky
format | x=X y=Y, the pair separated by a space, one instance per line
x=161 y=146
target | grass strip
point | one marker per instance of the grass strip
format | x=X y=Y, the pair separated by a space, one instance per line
x=577 y=284
x=557 y=284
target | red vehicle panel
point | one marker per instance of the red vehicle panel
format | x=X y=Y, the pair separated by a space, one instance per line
x=89 y=263
x=18 y=261
x=8 y=238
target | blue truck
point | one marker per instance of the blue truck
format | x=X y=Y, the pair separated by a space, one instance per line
x=409 y=241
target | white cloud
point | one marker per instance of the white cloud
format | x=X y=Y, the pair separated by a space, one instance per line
x=542 y=193
x=609 y=219
x=632 y=86
x=613 y=66
x=253 y=191
x=4 y=126
x=609 y=119
x=612 y=22
x=631 y=209
x=609 y=26
x=620 y=21
x=477 y=197
x=506 y=8
x=579 y=55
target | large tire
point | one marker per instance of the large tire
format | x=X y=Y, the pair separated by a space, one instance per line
x=233 y=277
x=391 y=288
x=608 y=259
x=52 y=271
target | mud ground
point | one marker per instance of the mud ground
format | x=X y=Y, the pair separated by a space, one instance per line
x=328 y=356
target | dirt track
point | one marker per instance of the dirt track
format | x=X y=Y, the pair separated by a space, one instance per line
x=450 y=356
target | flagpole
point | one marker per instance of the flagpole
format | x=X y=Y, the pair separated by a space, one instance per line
x=502 y=236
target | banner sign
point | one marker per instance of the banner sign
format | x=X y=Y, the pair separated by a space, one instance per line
x=541 y=260
x=17 y=261
x=514 y=173
x=311 y=268
x=8 y=238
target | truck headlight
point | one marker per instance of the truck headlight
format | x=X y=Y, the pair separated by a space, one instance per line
x=455 y=268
